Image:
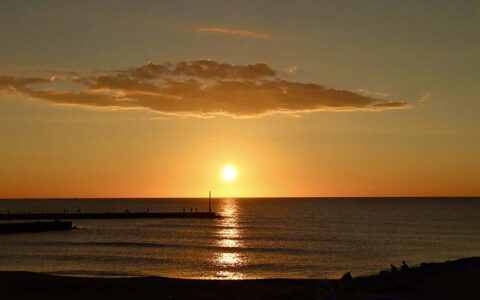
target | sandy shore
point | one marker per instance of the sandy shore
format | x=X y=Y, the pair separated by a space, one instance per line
x=459 y=279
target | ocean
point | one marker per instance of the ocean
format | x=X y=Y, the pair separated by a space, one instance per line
x=257 y=238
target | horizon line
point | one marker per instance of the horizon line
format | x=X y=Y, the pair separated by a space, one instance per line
x=269 y=197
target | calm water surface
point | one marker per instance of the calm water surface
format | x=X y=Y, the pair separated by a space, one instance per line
x=258 y=238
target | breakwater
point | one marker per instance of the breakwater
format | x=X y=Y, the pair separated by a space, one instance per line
x=109 y=215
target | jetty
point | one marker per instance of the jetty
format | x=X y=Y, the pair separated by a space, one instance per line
x=109 y=215
x=35 y=226
x=66 y=215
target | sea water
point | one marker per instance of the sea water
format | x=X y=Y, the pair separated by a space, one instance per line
x=256 y=238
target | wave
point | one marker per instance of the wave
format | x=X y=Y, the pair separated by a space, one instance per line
x=179 y=225
x=88 y=258
x=215 y=248
x=92 y=273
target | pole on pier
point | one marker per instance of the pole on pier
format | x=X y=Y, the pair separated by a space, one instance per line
x=209 y=201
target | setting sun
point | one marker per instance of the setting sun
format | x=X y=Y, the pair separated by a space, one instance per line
x=229 y=173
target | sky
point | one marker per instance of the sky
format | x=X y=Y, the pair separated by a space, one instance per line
x=303 y=98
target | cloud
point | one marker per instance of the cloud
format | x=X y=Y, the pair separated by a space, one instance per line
x=203 y=68
x=14 y=83
x=200 y=88
x=375 y=94
x=235 y=32
x=290 y=70
x=425 y=97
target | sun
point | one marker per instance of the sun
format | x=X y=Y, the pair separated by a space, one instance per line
x=229 y=173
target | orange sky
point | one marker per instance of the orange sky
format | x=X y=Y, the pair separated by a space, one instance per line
x=305 y=98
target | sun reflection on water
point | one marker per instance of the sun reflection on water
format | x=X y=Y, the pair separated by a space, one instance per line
x=228 y=238
x=228 y=259
x=226 y=243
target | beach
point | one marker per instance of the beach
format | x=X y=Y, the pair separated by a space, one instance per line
x=456 y=279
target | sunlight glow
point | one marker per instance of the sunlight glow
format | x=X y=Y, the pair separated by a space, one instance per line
x=229 y=173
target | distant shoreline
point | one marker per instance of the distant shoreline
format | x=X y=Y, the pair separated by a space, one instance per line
x=457 y=279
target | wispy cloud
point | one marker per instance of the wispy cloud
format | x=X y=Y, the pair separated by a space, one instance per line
x=236 y=32
x=425 y=97
x=199 y=88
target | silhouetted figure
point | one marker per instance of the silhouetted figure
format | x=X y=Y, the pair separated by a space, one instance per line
x=191 y=209
x=394 y=269
x=404 y=266
x=347 y=276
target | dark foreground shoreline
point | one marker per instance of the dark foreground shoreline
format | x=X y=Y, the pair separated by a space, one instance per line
x=459 y=279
